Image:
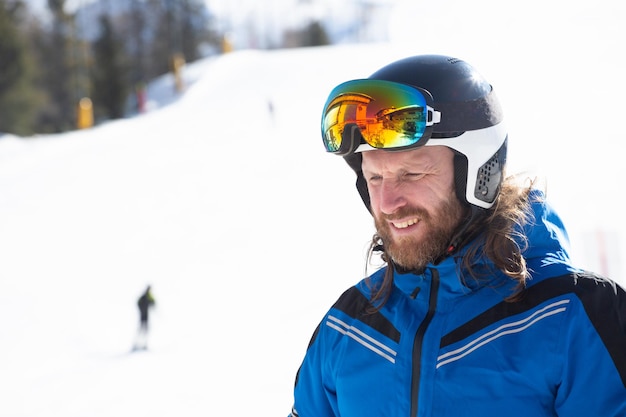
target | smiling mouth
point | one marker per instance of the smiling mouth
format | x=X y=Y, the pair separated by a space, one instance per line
x=405 y=224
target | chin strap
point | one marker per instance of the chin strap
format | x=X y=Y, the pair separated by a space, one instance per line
x=464 y=233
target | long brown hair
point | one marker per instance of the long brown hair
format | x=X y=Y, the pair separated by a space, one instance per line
x=499 y=238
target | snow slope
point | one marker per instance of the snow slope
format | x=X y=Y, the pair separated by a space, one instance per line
x=223 y=199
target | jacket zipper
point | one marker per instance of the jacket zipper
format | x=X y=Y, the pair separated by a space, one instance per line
x=419 y=340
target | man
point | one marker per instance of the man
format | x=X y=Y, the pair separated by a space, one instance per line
x=478 y=311
x=144 y=303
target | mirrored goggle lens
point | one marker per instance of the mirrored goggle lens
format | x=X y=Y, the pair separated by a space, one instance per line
x=387 y=114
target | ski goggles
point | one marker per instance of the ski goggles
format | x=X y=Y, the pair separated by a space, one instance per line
x=382 y=114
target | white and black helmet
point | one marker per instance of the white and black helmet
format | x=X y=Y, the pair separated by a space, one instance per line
x=462 y=113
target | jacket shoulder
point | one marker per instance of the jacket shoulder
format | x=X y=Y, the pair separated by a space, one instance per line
x=604 y=303
x=357 y=306
x=589 y=287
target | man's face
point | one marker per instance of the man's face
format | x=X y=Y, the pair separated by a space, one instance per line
x=413 y=202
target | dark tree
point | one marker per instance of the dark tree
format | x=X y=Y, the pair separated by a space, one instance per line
x=57 y=54
x=18 y=96
x=315 y=35
x=110 y=73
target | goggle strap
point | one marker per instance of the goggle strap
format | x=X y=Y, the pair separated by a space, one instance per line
x=434 y=116
x=470 y=115
x=350 y=139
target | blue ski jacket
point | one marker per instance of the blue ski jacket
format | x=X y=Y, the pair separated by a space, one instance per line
x=443 y=348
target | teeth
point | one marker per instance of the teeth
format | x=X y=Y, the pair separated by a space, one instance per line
x=404 y=225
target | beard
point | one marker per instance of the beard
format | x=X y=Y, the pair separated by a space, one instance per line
x=415 y=252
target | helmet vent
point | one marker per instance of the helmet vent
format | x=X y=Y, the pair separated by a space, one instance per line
x=489 y=178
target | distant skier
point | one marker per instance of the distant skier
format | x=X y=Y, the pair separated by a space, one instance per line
x=144 y=303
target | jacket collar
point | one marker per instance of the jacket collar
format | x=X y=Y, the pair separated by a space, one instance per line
x=546 y=253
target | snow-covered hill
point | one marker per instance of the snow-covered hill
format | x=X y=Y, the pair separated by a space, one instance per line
x=223 y=199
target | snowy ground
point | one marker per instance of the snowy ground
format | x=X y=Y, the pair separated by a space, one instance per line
x=246 y=229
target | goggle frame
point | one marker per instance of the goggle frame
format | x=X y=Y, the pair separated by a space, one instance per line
x=378 y=114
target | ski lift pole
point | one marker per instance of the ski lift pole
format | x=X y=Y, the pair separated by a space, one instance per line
x=84 y=117
x=178 y=62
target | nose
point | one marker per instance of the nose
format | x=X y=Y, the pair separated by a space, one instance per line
x=391 y=197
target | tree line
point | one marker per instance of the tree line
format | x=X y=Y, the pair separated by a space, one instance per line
x=49 y=61
x=105 y=51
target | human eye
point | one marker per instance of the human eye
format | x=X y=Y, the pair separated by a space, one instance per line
x=414 y=175
x=373 y=178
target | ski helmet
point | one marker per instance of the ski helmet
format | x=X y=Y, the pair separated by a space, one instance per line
x=459 y=110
